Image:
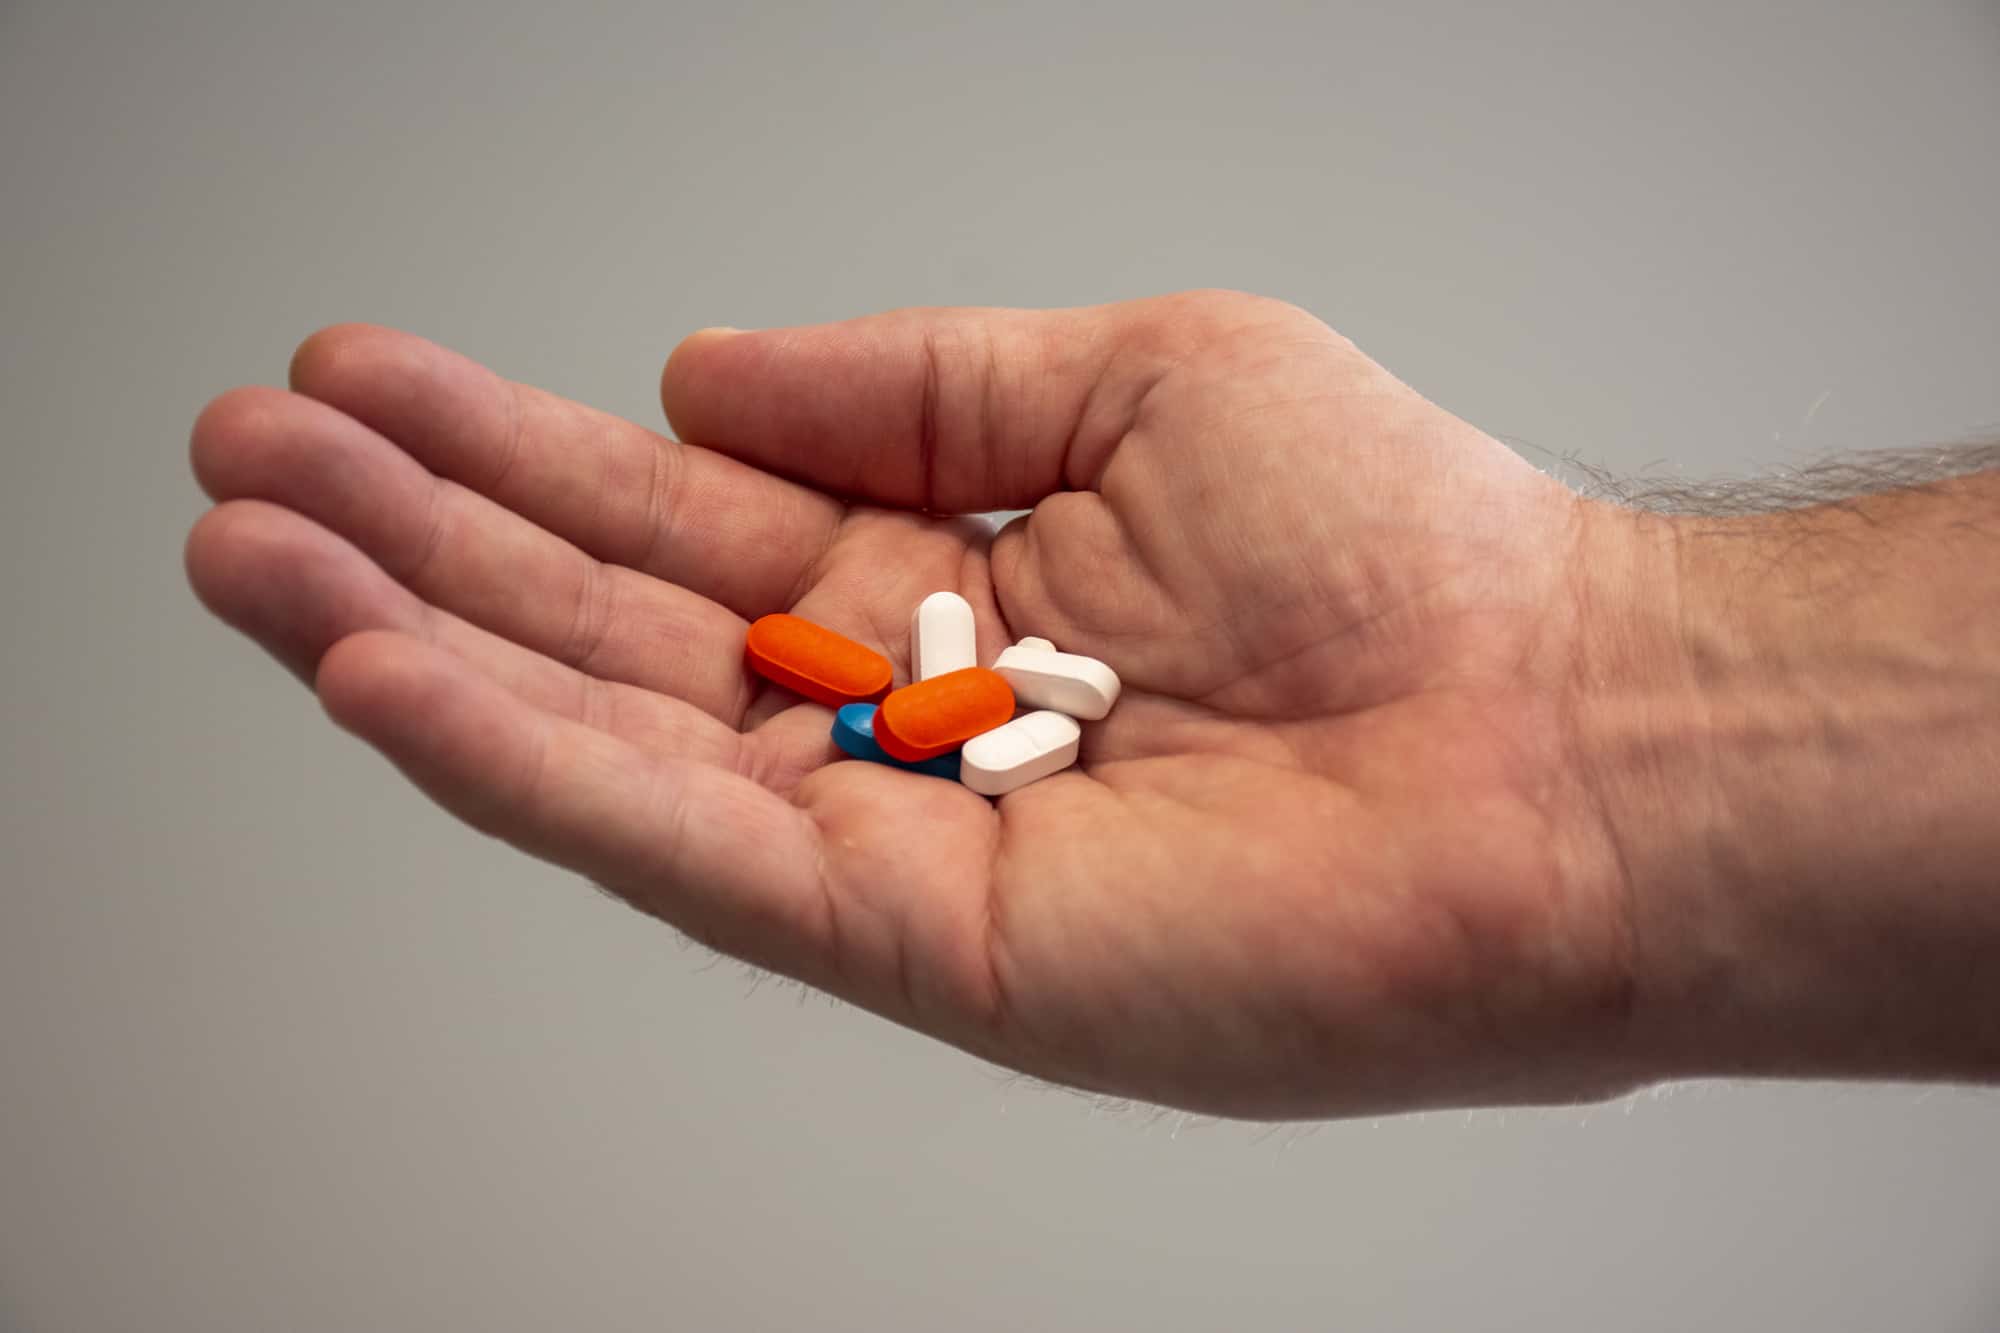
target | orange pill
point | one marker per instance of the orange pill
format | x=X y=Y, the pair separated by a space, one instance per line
x=812 y=660
x=931 y=717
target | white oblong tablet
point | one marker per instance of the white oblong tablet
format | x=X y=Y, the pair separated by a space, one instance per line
x=1028 y=749
x=942 y=636
x=1038 y=645
x=1066 y=682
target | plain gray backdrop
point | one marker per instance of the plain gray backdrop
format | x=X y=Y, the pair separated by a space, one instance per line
x=282 y=1047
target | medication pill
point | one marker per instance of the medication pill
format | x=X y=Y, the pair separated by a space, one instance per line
x=942 y=713
x=1037 y=645
x=854 y=733
x=814 y=661
x=941 y=636
x=1028 y=749
x=1065 y=682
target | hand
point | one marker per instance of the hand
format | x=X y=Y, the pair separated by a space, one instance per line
x=1325 y=856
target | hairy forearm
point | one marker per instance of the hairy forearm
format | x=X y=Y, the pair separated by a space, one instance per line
x=1790 y=722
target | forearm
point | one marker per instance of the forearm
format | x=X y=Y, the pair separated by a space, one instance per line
x=1791 y=722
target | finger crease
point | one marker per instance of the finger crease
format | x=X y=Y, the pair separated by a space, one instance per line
x=529 y=796
x=433 y=542
x=595 y=705
x=836 y=949
x=927 y=425
x=592 y=623
x=517 y=429
x=810 y=574
x=658 y=487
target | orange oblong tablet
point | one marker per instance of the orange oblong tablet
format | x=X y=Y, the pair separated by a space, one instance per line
x=924 y=720
x=812 y=660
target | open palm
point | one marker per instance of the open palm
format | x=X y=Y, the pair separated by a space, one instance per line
x=1323 y=855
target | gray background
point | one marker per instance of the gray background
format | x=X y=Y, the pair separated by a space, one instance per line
x=283 y=1048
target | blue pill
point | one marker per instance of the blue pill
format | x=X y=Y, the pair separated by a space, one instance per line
x=854 y=733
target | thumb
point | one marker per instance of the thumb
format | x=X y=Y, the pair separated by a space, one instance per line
x=949 y=410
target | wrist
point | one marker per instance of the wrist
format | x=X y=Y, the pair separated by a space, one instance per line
x=1789 y=726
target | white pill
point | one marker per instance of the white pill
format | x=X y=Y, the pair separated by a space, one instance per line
x=1066 y=682
x=1025 y=750
x=1038 y=645
x=942 y=637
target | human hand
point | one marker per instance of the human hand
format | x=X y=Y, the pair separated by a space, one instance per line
x=1327 y=855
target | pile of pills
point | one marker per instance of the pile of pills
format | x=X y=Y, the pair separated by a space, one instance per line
x=955 y=719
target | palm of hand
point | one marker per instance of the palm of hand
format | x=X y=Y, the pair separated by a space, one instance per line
x=1315 y=860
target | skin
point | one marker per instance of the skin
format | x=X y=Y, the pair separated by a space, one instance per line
x=1372 y=827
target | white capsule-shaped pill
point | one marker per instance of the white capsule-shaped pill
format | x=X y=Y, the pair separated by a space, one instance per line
x=1066 y=682
x=942 y=636
x=1037 y=645
x=1025 y=750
